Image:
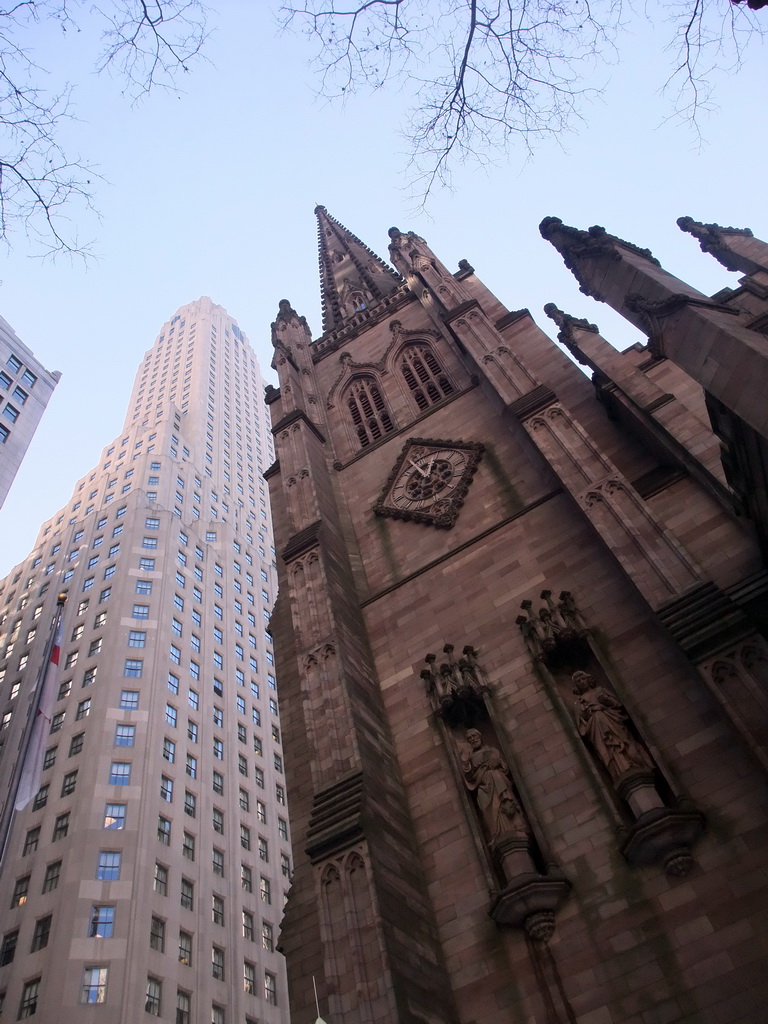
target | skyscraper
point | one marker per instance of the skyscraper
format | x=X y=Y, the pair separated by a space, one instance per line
x=522 y=641
x=25 y=390
x=146 y=876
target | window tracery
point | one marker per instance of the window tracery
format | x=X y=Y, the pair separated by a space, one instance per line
x=370 y=415
x=426 y=379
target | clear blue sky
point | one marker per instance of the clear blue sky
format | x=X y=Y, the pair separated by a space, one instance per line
x=212 y=192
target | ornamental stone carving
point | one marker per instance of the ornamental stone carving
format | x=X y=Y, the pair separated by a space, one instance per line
x=487 y=776
x=602 y=722
x=655 y=825
x=527 y=887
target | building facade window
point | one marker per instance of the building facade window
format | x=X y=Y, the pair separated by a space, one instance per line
x=102 y=922
x=31 y=841
x=183 y=1007
x=217 y=963
x=52 y=875
x=29 y=997
x=270 y=988
x=249 y=978
x=114 y=816
x=157 y=934
x=187 y=898
x=41 y=934
x=60 y=827
x=68 y=783
x=120 y=773
x=8 y=948
x=217 y=909
x=160 y=881
x=125 y=735
x=108 y=867
x=153 y=1000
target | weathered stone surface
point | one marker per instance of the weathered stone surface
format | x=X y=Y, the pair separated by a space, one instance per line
x=609 y=926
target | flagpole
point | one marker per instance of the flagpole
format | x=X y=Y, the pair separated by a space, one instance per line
x=317 y=1003
x=7 y=816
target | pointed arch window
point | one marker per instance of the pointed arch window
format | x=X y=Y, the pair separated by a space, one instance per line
x=371 y=418
x=426 y=379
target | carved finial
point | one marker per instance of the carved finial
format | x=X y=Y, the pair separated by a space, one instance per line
x=567 y=325
x=285 y=310
x=713 y=239
x=285 y=314
x=576 y=245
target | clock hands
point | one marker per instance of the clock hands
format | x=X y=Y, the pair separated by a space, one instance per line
x=418 y=467
x=425 y=472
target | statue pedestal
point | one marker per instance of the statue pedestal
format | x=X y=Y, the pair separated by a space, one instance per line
x=530 y=901
x=639 y=790
x=664 y=836
x=513 y=856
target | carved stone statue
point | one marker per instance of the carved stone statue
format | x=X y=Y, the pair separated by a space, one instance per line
x=486 y=774
x=601 y=719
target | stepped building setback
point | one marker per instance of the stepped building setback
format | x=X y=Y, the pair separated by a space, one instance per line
x=146 y=876
x=521 y=641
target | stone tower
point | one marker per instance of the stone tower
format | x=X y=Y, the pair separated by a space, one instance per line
x=519 y=642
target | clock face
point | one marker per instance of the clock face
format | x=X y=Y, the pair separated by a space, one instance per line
x=429 y=481
x=427 y=475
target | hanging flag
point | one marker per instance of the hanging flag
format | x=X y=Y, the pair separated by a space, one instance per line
x=32 y=769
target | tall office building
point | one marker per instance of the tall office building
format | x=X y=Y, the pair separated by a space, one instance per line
x=146 y=877
x=25 y=390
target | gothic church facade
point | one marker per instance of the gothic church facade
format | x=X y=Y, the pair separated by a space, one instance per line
x=520 y=641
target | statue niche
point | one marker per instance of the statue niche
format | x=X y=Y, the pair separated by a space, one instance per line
x=527 y=888
x=655 y=824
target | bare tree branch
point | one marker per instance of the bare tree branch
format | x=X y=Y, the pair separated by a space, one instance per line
x=42 y=188
x=149 y=41
x=484 y=75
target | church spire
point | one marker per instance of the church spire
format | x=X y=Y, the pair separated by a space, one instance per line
x=352 y=276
